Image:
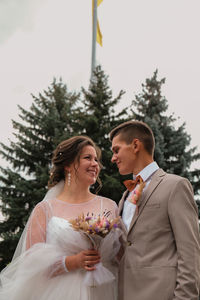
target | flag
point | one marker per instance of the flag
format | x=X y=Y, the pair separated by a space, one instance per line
x=99 y=34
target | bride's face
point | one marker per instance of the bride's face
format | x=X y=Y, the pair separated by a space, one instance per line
x=86 y=170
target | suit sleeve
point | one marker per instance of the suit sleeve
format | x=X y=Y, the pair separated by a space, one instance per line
x=184 y=221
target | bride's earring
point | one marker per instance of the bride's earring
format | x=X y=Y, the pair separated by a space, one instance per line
x=69 y=178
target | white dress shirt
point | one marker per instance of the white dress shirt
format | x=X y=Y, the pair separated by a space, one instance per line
x=129 y=208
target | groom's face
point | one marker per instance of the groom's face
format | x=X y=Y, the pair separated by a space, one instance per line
x=123 y=155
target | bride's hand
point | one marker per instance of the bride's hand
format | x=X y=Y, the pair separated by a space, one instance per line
x=86 y=259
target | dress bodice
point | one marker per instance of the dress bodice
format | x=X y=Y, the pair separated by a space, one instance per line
x=62 y=235
x=56 y=229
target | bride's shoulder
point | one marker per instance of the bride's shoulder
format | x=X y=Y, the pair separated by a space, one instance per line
x=40 y=207
x=109 y=205
x=108 y=201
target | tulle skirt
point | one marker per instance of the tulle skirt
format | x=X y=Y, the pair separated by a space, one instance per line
x=28 y=278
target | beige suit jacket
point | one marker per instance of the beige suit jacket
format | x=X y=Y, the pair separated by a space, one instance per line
x=162 y=250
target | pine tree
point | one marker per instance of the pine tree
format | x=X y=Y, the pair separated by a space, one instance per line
x=97 y=120
x=172 y=151
x=51 y=119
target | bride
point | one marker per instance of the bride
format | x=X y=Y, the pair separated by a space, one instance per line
x=52 y=260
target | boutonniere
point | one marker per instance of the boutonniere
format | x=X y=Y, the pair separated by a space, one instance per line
x=137 y=193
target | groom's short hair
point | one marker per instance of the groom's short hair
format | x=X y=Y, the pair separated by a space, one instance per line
x=135 y=129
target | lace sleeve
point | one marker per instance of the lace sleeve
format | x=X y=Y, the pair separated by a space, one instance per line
x=36 y=227
x=36 y=233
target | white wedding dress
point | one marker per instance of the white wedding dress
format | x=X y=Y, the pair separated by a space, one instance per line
x=31 y=275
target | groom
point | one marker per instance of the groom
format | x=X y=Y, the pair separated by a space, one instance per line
x=161 y=259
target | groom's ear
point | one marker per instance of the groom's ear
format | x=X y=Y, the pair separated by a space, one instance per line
x=136 y=145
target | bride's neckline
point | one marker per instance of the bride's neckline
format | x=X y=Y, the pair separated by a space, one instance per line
x=80 y=203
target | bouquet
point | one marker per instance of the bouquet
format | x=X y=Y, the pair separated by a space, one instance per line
x=103 y=234
x=95 y=228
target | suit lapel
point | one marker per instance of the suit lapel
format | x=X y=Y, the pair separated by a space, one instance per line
x=121 y=202
x=121 y=206
x=155 y=181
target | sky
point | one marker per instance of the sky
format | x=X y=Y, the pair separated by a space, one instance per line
x=43 y=39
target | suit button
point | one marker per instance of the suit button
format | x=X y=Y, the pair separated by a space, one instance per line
x=129 y=243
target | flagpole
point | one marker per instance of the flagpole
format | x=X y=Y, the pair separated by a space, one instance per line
x=94 y=36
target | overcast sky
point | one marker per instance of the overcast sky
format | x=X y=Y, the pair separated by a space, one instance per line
x=42 y=39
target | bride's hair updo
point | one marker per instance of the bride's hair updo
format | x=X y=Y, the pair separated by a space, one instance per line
x=66 y=153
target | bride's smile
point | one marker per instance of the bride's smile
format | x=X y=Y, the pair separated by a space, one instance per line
x=86 y=170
